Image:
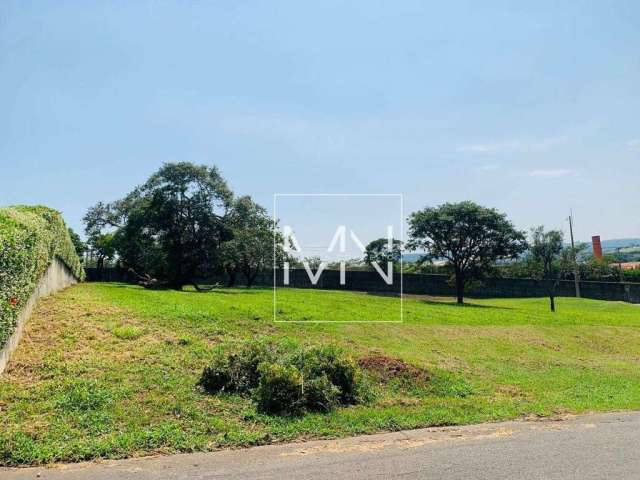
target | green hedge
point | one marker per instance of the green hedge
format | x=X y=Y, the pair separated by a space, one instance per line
x=632 y=275
x=30 y=237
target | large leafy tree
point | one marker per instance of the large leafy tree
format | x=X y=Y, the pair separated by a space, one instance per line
x=471 y=238
x=252 y=246
x=172 y=226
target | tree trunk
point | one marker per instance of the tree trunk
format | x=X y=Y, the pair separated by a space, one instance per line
x=232 y=278
x=552 y=303
x=459 y=286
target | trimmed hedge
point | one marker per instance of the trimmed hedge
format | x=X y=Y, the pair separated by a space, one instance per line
x=30 y=238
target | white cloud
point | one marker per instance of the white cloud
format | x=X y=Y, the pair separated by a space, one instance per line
x=634 y=144
x=551 y=173
x=496 y=147
x=515 y=145
x=489 y=168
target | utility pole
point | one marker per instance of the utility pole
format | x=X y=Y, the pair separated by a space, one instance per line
x=620 y=272
x=576 y=268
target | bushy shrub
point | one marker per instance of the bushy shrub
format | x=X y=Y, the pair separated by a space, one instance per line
x=216 y=377
x=284 y=378
x=234 y=368
x=321 y=395
x=279 y=390
x=331 y=362
x=30 y=238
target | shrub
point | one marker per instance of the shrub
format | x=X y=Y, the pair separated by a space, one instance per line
x=216 y=377
x=30 y=238
x=321 y=395
x=331 y=362
x=284 y=378
x=234 y=368
x=280 y=389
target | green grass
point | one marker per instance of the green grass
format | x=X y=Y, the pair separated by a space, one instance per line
x=110 y=371
x=127 y=332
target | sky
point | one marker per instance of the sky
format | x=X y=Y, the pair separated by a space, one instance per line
x=528 y=107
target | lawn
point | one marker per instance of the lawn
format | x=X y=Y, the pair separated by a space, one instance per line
x=110 y=370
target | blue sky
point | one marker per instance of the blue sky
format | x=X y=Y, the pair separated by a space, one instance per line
x=532 y=109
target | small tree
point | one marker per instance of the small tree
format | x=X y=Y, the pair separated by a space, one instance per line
x=470 y=237
x=550 y=260
x=103 y=247
x=379 y=251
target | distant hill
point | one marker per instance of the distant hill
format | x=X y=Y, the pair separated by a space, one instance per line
x=608 y=246
x=411 y=257
x=621 y=243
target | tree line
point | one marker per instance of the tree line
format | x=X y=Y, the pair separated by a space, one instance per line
x=184 y=225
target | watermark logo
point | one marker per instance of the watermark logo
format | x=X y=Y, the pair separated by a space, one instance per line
x=291 y=246
x=338 y=242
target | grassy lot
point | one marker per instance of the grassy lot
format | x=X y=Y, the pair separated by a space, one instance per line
x=108 y=370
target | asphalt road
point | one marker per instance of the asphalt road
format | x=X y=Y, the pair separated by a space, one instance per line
x=584 y=447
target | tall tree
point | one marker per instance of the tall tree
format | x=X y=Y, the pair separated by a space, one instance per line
x=171 y=227
x=470 y=237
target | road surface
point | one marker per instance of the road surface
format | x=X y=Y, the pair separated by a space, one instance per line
x=584 y=447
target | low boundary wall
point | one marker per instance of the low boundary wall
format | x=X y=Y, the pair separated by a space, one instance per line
x=55 y=278
x=419 y=284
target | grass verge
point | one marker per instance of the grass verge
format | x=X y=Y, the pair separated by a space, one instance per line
x=110 y=371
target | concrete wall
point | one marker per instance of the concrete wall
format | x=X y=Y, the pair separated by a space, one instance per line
x=57 y=277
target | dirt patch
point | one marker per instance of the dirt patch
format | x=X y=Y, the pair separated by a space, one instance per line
x=511 y=391
x=387 y=368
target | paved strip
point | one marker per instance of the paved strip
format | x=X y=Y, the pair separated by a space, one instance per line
x=584 y=447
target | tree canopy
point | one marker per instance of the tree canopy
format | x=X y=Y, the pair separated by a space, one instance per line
x=172 y=226
x=471 y=238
